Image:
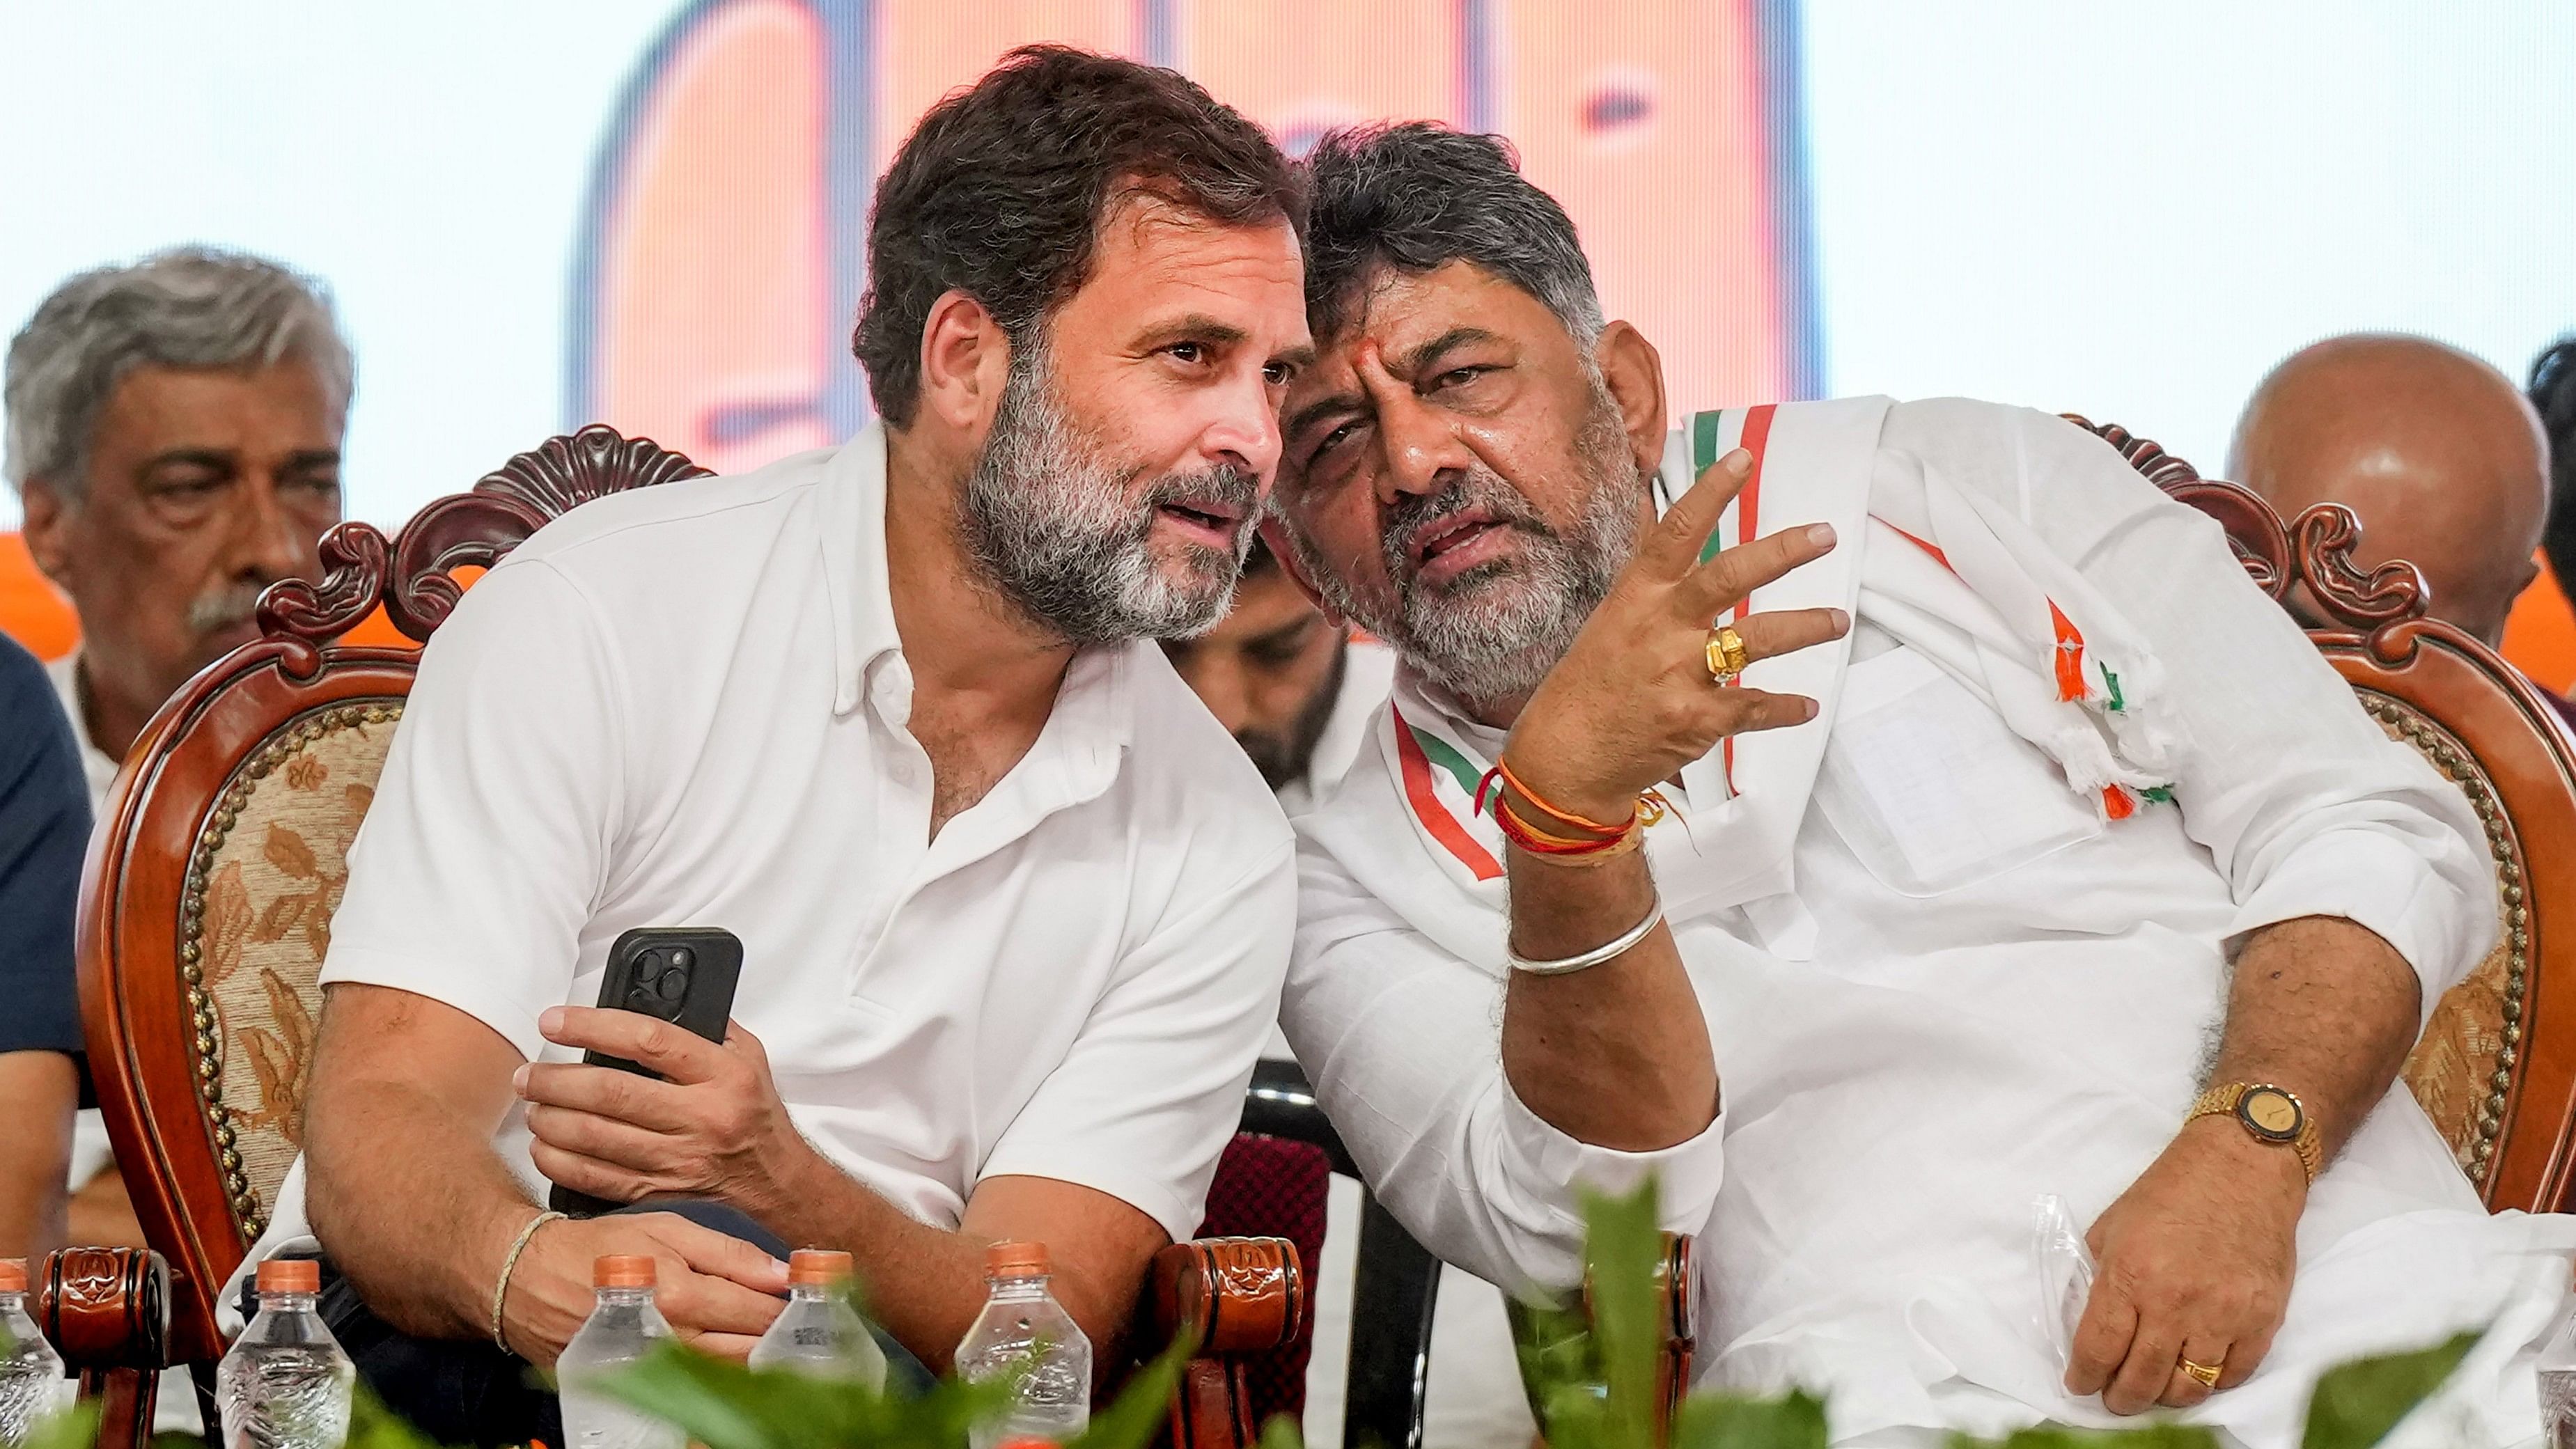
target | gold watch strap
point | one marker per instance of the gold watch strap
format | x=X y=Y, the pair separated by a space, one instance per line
x=2309 y=1144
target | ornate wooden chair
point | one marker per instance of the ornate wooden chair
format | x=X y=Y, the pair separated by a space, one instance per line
x=2496 y=1067
x=206 y=911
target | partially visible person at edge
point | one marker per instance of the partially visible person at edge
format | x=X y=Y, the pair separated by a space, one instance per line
x=2437 y=454
x=1291 y=686
x=2004 y=842
x=1014 y=909
x=44 y=824
x=2553 y=396
x=174 y=430
x=1298 y=693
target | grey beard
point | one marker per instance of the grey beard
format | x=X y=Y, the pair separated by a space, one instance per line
x=1494 y=632
x=1047 y=519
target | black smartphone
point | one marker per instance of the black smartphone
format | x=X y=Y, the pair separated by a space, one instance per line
x=682 y=974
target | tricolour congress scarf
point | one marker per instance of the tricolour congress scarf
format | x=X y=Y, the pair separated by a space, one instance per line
x=1946 y=570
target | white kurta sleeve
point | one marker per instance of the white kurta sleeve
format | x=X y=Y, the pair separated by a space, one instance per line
x=2305 y=805
x=1403 y=1041
x=487 y=841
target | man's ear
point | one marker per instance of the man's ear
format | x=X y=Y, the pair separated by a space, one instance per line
x=1634 y=374
x=1275 y=534
x=965 y=362
x=44 y=521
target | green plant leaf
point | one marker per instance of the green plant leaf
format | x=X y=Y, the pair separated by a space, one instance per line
x=1554 y=1346
x=726 y=1406
x=2152 y=1434
x=1281 y=1433
x=1622 y=1245
x=2355 y=1405
x=1576 y=1417
x=373 y=1426
x=1130 y=1421
x=74 y=1428
x=1795 y=1420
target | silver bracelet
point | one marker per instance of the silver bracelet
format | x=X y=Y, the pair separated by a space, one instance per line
x=1567 y=965
x=501 y=1289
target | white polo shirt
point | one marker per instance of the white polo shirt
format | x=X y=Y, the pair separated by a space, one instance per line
x=686 y=705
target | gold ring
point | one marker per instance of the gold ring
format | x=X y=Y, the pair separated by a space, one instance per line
x=2206 y=1373
x=1726 y=656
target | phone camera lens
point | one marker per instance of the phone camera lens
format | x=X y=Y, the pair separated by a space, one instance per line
x=673 y=983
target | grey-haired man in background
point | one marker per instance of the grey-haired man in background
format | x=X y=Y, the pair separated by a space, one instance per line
x=174 y=436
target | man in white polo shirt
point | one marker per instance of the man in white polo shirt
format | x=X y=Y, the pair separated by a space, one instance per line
x=1014 y=909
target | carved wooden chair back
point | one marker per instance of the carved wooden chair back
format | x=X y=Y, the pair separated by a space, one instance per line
x=207 y=902
x=2496 y=1066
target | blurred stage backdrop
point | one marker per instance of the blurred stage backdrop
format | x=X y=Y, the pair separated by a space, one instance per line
x=536 y=215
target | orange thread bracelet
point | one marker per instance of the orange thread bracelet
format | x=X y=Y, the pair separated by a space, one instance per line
x=1577 y=852
x=1529 y=837
x=1561 y=817
x=1494 y=799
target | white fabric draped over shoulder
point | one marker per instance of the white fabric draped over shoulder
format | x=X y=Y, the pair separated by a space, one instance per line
x=1943 y=971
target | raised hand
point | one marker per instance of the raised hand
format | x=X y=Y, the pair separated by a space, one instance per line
x=1633 y=701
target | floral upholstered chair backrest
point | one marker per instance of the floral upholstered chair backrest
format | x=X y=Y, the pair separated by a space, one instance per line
x=254 y=936
x=2462 y=1068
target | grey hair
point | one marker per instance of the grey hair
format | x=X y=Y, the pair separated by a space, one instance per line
x=1418 y=196
x=193 y=307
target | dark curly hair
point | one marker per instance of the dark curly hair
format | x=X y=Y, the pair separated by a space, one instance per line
x=1000 y=191
x=1416 y=196
x=2553 y=393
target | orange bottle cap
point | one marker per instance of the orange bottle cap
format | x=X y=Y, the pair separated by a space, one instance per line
x=622 y=1270
x=1015 y=1260
x=290 y=1275
x=13 y=1275
x=1027 y=1441
x=816 y=1267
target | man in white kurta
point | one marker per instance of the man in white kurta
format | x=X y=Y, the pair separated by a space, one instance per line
x=1961 y=940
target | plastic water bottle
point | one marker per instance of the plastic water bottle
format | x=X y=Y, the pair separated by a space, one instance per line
x=285 y=1384
x=622 y=1329
x=818 y=1333
x=32 y=1386
x=2557 y=1367
x=1024 y=1330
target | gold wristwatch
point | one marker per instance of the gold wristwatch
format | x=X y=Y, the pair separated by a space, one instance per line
x=2272 y=1114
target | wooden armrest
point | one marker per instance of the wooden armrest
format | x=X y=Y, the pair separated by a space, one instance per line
x=1230 y=1296
x=107 y=1312
x=106 y=1308
x=1238 y=1295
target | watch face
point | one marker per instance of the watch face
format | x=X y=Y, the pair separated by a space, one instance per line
x=2271 y=1112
